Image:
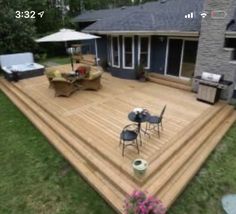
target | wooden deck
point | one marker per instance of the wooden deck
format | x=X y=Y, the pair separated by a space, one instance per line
x=85 y=128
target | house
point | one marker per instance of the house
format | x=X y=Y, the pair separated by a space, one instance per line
x=168 y=37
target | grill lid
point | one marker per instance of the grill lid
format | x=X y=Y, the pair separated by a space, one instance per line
x=211 y=77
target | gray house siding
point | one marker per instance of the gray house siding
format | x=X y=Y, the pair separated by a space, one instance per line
x=157 y=57
x=102 y=49
x=121 y=72
x=88 y=46
x=158 y=54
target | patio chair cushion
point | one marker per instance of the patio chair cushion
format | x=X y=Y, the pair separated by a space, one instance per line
x=49 y=73
x=57 y=73
x=83 y=70
x=94 y=74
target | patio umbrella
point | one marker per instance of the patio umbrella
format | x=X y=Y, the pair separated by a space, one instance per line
x=65 y=35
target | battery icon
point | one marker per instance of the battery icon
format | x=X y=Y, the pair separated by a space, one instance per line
x=218 y=14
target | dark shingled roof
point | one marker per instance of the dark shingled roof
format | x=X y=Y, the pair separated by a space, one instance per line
x=151 y=16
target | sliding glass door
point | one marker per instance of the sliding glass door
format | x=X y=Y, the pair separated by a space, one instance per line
x=181 y=57
x=174 y=57
x=189 y=58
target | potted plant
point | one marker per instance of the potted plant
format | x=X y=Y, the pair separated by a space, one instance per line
x=140 y=72
x=140 y=166
x=139 y=203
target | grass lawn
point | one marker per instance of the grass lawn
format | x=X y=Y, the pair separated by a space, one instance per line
x=57 y=60
x=36 y=179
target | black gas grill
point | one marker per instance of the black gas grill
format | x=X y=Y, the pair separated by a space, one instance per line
x=210 y=86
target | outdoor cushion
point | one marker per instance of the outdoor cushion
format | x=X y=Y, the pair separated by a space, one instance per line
x=94 y=74
x=59 y=79
x=57 y=74
x=83 y=70
x=49 y=73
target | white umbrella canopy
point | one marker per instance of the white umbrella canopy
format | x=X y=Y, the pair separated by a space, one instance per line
x=65 y=35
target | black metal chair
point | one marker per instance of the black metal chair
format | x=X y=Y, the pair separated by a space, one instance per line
x=128 y=137
x=155 y=121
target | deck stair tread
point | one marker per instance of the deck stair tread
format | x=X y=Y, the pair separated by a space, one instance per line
x=116 y=178
x=111 y=156
x=115 y=197
x=178 y=182
x=170 y=81
x=169 y=170
x=178 y=160
x=181 y=139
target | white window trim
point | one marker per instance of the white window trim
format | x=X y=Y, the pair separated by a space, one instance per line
x=149 y=50
x=112 y=58
x=109 y=50
x=123 y=52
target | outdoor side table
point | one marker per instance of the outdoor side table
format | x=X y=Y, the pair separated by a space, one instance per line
x=139 y=119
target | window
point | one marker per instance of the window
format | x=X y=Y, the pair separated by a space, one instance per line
x=128 y=52
x=144 y=51
x=115 y=51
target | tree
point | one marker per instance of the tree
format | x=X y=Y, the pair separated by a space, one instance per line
x=16 y=35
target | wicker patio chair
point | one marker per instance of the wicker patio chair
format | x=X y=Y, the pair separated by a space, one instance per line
x=93 y=81
x=63 y=87
x=129 y=137
x=50 y=74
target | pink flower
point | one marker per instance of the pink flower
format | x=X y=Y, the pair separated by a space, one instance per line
x=139 y=203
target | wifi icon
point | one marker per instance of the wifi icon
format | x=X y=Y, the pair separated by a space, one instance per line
x=203 y=15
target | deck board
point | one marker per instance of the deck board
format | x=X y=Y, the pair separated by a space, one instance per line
x=97 y=117
x=104 y=113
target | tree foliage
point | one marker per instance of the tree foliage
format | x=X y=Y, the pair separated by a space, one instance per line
x=17 y=35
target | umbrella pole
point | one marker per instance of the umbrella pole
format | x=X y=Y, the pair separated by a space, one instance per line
x=71 y=62
x=96 y=51
x=71 y=57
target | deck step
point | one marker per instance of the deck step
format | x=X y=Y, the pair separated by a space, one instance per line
x=181 y=139
x=115 y=182
x=178 y=160
x=72 y=138
x=71 y=126
x=170 y=81
x=168 y=172
x=177 y=184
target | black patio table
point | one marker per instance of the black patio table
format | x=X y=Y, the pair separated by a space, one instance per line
x=139 y=119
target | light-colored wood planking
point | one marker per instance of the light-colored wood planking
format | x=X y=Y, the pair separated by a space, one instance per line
x=181 y=179
x=88 y=124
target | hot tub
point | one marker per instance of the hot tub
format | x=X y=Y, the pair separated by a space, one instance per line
x=21 y=63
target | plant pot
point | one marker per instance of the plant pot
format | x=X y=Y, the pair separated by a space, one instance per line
x=142 y=79
x=140 y=166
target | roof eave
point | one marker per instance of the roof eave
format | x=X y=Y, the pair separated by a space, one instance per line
x=86 y=20
x=161 y=33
